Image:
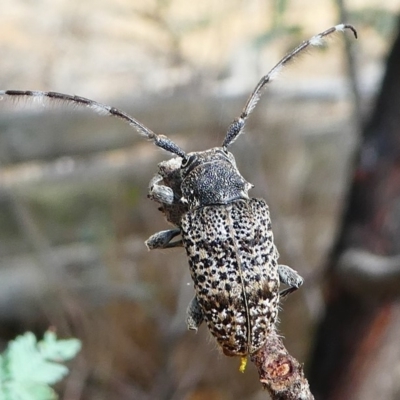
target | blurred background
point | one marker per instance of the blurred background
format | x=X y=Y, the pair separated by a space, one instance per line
x=74 y=213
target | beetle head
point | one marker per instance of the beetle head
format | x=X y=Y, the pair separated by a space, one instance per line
x=211 y=177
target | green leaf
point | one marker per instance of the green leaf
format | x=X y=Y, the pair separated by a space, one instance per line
x=29 y=391
x=54 y=349
x=27 y=364
x=27 y=367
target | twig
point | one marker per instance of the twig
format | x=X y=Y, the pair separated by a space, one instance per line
x=280 y=373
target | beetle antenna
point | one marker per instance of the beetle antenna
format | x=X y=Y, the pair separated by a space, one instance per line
x=236 y=127
x=159 y=140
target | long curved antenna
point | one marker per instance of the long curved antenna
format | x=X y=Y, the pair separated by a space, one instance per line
x=159 y=140
x=236 y=127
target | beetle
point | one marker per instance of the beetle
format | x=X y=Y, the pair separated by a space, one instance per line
x=227 y=234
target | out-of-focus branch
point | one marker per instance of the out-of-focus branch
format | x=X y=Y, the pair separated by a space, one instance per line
x=351 y=66
x=368 y=274
x=280 y=373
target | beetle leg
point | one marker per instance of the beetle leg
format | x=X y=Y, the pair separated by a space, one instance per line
x=289 y=277
x=162 y=240
x=160 y=193
x=194 y=315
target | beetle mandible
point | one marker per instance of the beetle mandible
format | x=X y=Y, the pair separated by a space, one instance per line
x=226 y=234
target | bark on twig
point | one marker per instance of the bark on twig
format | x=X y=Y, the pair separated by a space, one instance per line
x=280 y=373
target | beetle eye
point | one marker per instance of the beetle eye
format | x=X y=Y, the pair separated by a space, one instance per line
x=187 y=161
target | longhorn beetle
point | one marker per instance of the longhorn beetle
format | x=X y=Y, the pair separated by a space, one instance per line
x=226 y=234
